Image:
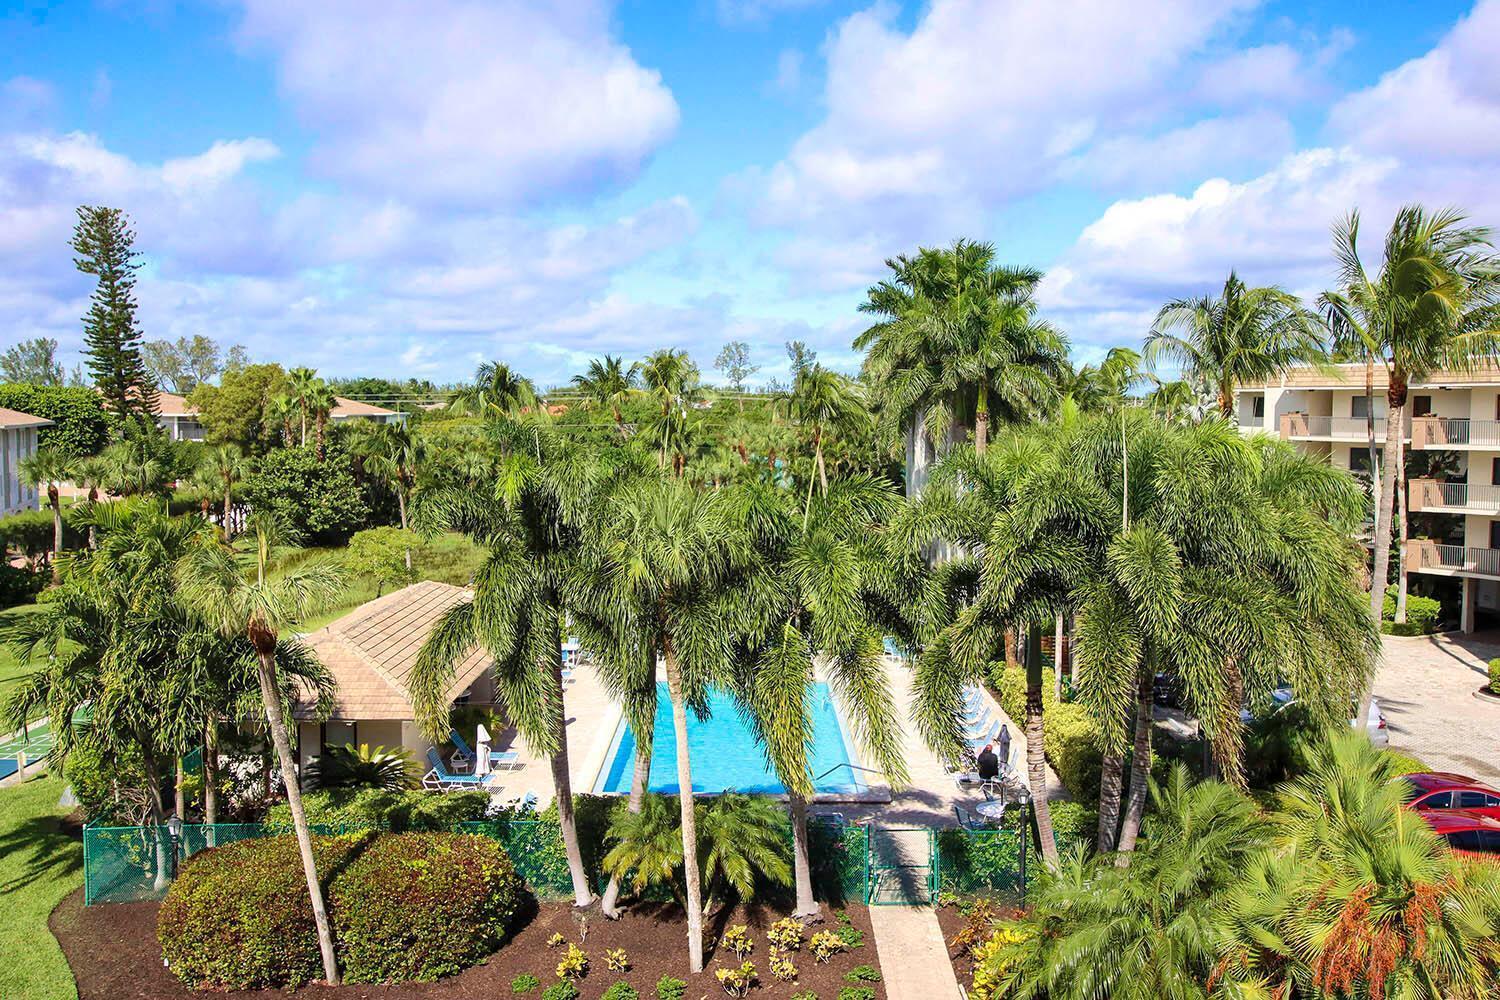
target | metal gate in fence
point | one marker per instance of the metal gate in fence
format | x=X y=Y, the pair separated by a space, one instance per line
x=902 y=866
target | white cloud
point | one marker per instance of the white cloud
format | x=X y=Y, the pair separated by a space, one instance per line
x=788 y=78
x=1444 y=104
x=218 y=163
x=464 y=104
x=739 y=12
x=1251 y=141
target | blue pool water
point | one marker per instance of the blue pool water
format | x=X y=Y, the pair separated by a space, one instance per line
x=724 y=753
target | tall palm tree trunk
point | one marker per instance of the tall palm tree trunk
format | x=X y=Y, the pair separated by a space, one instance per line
x=807 y=906
x=1401 y=527
x=1111 y=777
x=157 y=808
x=691 y=875
x=982 y=420
x=401 y=506
x=1036 y=748
x=179 y=802
x=1394 y=419
x=57 y=534
x=1140 y=764
x=211 y=778
x=228 y=506
x=1370 y=430
x=272 y=700
x=583 y=895
x=638 y=785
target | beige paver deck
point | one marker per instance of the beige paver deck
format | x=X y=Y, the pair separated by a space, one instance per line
x=913 y=955
x=1426 y=689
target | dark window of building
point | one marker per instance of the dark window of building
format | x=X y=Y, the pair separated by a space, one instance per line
x=1495 y=471
x=1359 y=407
x=1421 y=406
x=1495 y=534
x=1359 y=459
x=1258 y=407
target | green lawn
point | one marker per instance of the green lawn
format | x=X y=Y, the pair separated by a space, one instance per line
x=12 y=669
x=39 y=865
x=450 y=558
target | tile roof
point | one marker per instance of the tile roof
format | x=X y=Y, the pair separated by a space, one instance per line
x=371 y=651
x=169 y=404
x=15 y=418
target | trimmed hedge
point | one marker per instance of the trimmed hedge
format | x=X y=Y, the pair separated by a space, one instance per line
x=1422 y=614
x=403 y=907
x=79 y=424
x=1495 y=676
x=419 y=906
x=396 y=811
x=1071 y=736
x=19 y=586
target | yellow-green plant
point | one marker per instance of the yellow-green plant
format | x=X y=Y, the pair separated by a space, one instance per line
x=574 y=965
x=737 y=939
x=786 y=934
x=556 y=941
x=615 y=960
x=825 y=945
x=737 y=982
x=991 y=960
x=782 y=966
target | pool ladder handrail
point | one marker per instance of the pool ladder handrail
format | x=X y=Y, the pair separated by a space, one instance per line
x=856 y=767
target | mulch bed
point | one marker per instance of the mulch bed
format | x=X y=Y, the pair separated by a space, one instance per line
x=114 y=956
x=951 y=921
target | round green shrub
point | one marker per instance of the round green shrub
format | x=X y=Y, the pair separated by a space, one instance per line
x=396 y=811
x=403 y=907
x=239 y=918
x=621 y=991
x=1495 y=675
x=563 y=989
x=419 y=906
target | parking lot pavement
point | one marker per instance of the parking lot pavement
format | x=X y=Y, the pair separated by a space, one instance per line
x=1426 y=689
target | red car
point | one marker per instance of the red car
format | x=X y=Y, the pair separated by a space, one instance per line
x=1466 y=832
x=1440 y=791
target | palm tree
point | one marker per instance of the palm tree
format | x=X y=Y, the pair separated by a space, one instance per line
x=94 y=473
x=281 y=408
x=1104 y=387
x=48 y=469
x=303 y=383
x=608 y=382
x=244 y=592
x=821 y=401
x=497 y=390
x=219 y=471
x=818 y=599
x=740 y=841
x=532 y=530
x=392 y=453
x=671 y=549
x=1358 y=897
x=320 y=404
x=1242 y=335
x=1143 y=932
x=1431 y=305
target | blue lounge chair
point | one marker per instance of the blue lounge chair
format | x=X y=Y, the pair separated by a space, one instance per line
x=441 y=779
x=988 y=735
x=976 y=727
x=498 y=758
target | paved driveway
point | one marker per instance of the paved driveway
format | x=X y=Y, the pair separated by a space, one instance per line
x=1426 y=689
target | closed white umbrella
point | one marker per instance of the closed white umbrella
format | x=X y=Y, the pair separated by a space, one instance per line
x=482 y=751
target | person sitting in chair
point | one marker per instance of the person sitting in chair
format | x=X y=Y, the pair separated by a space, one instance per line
x=989 y=764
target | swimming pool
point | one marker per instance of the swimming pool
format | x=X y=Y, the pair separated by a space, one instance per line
x=724 y=753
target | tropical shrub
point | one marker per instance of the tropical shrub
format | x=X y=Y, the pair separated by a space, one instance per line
x=403 y=907
x=805 y=995
x=1422 y=614
x=1073 y=746
x=419 y=906
x=19 y=585
x=786 y=934
x=856 y=993
x=862 y=974
x=563 y=989
x=1495 y=675
x=615 y=960
x=110 y=785
x=397 y=811
x=31 y=533
x=525 y=983
x=319 y=499
x=1405 y=763
x=239 y=917
x=670 y=988
x=79 y=424
x=621 y=991
x=825 y=945
x=737 y=982
x=737 y=939
x=991 y=961
x=556 y=941
x=849 y=936
x=363 y=766
x=781 y=965
x=378 y=555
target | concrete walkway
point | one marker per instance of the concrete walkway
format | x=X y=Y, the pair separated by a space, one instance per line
x=913 y=954
x=1426 y=689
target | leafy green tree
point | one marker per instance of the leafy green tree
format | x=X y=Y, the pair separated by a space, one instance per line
x=320 y=403
x=392 y=453
x=302 y=383
x=800 y=357
x=1104 y=388
x=242 y=592
x=145 y=462
x=741 y=842
x=320 y=501
x=820 y=596
x=386 y=768
x=239 y=410
x=531 y=525
x=105 y=248
x=497 y=390
x=1358 y=897
x=1242 y=335
x=47 y=470
x=182 y=364
x=376 y=554
x=646 y=846
x=1431 y=305
x=33 y=362
x=79 y=424
x=734 y=361
x=220 y=471
x=822 y=401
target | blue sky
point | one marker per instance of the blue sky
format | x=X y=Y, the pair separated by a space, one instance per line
x=407 y=188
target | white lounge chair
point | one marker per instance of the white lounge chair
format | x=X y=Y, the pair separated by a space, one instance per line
x=441 y=779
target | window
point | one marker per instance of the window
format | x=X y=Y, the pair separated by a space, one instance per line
x=1359 y=460
x=1472 y=800
x=1464 y=840
x=1495 y=471
x=1489 y=841
x=1421 y=406
x=1258 y=407
x=1359 y=407
x=1442 y=800
x=1495 y=534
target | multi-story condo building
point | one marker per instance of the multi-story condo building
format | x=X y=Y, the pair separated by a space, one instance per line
x=1452 y=476
x=18 y=438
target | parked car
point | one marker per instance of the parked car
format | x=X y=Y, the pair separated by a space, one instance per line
x=1443 y=791
x=1467 y=832
x=1282 y=698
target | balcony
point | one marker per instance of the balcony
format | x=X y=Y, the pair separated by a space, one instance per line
x=1424 y=556
x=1436 y=497
x=1306 y=427
x=1455 y=433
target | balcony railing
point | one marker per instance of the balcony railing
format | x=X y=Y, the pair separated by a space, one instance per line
x=1454 y=432
x=1424 y=556
x=1430 y=494
x=1303 y=425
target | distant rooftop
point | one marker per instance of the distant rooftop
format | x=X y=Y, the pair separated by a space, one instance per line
x=15 y=418
x=1352 y=376
x=169 y=404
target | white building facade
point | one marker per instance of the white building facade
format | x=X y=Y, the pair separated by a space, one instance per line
x=18 y=440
